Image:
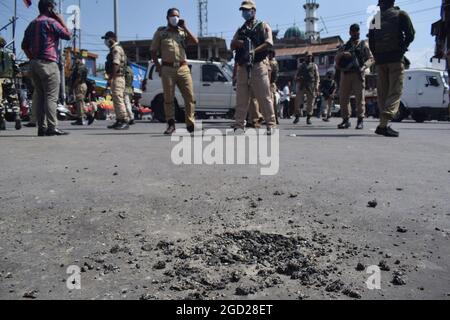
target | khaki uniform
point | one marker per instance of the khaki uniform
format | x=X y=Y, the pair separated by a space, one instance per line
x=308 y=89
x=171 y=46
x=129 y=92
x=81 y=89
x=254 y=113
x=258 y=87
x=390 y=89
x=118 y=84
x=354 y=83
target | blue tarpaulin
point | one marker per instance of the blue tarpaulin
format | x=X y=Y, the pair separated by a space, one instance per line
x=139 y=76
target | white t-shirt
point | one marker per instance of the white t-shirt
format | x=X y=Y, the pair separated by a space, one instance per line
x=286 y=94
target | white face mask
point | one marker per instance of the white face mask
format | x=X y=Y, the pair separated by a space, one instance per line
x=108 y=43
x=174 y=21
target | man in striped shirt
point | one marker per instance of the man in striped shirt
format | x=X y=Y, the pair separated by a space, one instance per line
x=40 y=44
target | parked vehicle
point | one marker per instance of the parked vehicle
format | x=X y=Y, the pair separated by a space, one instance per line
x=425 y=96
x=213 y=85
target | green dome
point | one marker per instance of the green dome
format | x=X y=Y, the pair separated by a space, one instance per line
x=294 y=33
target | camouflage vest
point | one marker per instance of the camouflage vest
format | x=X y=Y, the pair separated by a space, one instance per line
x=306 y=73
x=6 y=64
x=129 y=78
x=388 y=37
x=109 y=64
x=257 y=36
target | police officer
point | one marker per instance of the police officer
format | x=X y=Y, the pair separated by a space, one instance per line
x=252 y=42
x=274 y=73
x=328 y=89
x=389 y=42
x=129 y=92
x=353 y=59
x=308 y=80
x=170 y=43
x=79 y=87
x=115 y=69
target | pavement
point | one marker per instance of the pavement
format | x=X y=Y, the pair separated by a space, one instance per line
x=113 y=206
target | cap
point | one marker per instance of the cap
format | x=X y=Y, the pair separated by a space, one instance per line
x=109 y=35
x=355 y=27
x=247 y=5
x=308 y=54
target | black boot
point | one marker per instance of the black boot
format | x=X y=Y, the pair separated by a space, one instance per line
x=308 y=121
x=360 y=125
x=387 y=132
x=297 y=120
x=115 y=125
x=170 y=128
x=122 y=126
x=2 y=124
x=90 y=119
x=78 y=122
x=345 y=124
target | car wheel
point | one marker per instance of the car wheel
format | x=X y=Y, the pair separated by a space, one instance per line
x=419 y=116
x=180 y=115
x=158 y=109
x=402 y=113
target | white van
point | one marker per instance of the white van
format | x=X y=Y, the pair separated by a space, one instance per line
x=213 y=86
x=425 y=96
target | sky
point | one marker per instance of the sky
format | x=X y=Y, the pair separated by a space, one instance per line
x=138 y=19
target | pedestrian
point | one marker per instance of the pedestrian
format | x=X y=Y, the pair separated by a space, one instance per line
x=170 y=43
x=79 y=88
x=328 y=90
x=46 y=31
x=352 y=61
x=285 y=101
x=308 y=80
x=129 y=92
x=252 y=43
x=6 y=74
x=115 y=68
x=389 y=43
x=274 y=73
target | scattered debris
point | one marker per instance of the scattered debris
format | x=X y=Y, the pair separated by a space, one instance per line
x=372 y=204
x=402 y=230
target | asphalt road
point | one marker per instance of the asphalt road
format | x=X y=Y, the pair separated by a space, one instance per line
x=140 y=227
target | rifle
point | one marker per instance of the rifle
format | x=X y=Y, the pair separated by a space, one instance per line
x=248 y=47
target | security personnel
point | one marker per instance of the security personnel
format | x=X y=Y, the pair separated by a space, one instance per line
x=115 y=69
x=308 y=80
x=328 y=89
x=274 y=74
x=252 y=42
x=389 y=42
x=79 y=87
x=170 y=42
x=352 y=62
x=255 y=118
x=129 y=92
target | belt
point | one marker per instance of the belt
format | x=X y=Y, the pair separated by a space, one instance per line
x=174 y=64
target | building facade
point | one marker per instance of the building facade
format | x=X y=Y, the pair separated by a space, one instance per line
x=441 y=30
x=209 y=48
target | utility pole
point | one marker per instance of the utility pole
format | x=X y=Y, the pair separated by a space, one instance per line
x=116 y=18
x=14 y=27
x=79 y=20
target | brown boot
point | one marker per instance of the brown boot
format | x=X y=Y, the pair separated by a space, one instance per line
x=170 y=128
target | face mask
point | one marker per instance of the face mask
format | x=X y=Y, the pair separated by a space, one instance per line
x=247 y=15
x=174 y=21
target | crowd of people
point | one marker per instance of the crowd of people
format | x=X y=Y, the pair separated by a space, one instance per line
x=256 y=72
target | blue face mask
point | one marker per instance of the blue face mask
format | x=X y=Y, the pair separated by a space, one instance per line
x=247 y=15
